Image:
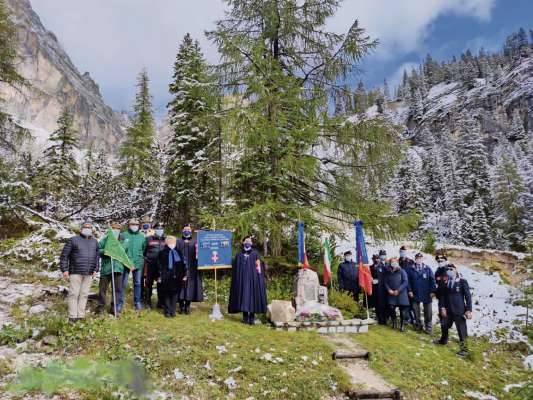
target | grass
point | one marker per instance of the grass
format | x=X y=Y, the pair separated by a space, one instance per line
x=423 y=370
x=187 y=343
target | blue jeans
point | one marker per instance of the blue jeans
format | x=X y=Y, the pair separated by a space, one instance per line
x=136 y=275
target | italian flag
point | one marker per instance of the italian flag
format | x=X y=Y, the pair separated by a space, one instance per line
x=328 y=259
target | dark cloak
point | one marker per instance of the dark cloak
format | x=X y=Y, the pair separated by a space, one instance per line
x=194 y=290
x=171 y=278
x=248 y=288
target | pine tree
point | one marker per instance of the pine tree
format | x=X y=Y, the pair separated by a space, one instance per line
x=409 y=186
x=284 y=66
x=192 y=152
x=361 y=98
x=386 y=90
x=138 y=164
x=60 y=171
x=473 y=183
x=510 y=209
x=517 y=132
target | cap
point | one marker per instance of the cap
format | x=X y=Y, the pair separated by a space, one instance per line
x=419 y=255
x=115 y=225
x=133 y=221
x=88 y=224
x=348 y=253
x=382 y=253
x=146 y=219
x=404 y=247
x=441 y=257
x=158 y=225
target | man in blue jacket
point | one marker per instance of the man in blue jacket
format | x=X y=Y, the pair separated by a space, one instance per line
x=397 y=285
x=422 y=291
x=455 y=307
x=348 y=276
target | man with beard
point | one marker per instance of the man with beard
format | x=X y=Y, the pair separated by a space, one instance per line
x=193 y=291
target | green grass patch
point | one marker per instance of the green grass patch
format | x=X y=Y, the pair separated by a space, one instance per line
x=423 y=370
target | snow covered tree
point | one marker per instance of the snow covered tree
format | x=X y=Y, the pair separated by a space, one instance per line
x=434 y=193
x=192 y=163
x=60 y=171
x=408 y=183
x=473 y=182
x=510 y=207
x=361 y=98
x=137 y=163
x=517 y=131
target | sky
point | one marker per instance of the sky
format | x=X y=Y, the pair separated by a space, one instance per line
x=115 y=39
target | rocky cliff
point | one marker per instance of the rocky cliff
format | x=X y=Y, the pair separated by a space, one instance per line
x=55 y=83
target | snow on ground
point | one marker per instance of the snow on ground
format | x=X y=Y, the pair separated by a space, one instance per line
x=491 y=297
x=440 y=89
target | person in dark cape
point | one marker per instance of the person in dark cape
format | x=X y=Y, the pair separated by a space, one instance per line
x=172 y=275
x=193 y=291
x=248 y=287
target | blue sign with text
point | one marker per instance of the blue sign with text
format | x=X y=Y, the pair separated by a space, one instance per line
x=214 y=249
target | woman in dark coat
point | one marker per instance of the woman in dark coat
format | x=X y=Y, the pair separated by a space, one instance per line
x=173 y=275
x=194 y=289
x=248 y=288
x=397 y=285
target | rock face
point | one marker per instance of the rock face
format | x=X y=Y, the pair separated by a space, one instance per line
x=55 y=83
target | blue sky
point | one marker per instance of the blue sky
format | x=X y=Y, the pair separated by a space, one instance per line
x=115 y=39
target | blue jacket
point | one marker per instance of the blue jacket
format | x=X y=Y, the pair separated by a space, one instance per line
x=348 y=276
x=456 y=298
x=397 y=280
x=422 y=283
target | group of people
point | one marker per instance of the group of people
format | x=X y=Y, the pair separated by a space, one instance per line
x=411 y=286
x=168 y=262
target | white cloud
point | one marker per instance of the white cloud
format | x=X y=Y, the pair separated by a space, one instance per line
x=115 y=39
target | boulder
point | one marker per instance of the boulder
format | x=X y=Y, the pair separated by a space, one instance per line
x=306 y=286
x=281 y=311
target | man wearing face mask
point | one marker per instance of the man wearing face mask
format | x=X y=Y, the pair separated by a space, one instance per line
x=455 y=307
x=379 y=299
x=79 y=262
x=134 y=244
x=397 y=285
x=172 y=275
x=194 y=289
x=154 y=244
x=105 y=272
x=348 y=276
x=248 y=286
x=423 y=288
x=146 y=227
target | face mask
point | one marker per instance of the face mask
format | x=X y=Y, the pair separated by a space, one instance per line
x=86 y=232
x=403 y=253
x=451 y=274
x=187 y=234
x=382 y=257
x=134 y=228
x=348 y=259
x=116 y=232
x=247 y=246
x=171 y=246
x=146 y=227
x=418 y=262
x=159 y=232
x=442 y=263
x=395 y=266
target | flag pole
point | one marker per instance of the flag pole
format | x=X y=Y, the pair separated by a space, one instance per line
x=366 y=300
x=113 y=287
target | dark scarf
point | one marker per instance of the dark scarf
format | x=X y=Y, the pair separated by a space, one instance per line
x=173 y=256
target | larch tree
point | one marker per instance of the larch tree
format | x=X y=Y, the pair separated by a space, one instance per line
x=294 y=160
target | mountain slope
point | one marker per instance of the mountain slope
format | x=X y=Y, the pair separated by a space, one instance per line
x=55 y=82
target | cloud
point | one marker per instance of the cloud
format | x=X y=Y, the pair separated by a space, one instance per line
x=115 y=39
x=396 y=78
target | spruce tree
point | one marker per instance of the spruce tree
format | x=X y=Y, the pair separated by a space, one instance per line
x=283 y=67
x=517 y=131
x=137 y=163
x=60 y=170
x=192 y=151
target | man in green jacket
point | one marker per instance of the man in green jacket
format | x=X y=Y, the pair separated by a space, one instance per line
x=106 y=273
x=134 y=243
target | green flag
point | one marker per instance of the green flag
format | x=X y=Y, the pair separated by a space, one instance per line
x=114 y=249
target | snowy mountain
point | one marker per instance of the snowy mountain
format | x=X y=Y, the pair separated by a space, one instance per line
x=55 y=83
x=469 y=127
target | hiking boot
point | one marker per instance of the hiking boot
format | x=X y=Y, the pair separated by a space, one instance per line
x=440 y=342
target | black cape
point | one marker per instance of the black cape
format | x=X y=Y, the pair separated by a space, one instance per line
x=171 y=279
x=248 y=288
x=194 y=290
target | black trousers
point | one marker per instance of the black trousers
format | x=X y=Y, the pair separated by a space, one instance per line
x=149 y=287
x=382 y=314
x=427 y=310
x=460 y=324
x=171 y=299
x=404 y=313
x=105 y=281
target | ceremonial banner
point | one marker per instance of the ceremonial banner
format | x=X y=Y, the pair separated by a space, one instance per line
x=214 y=250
